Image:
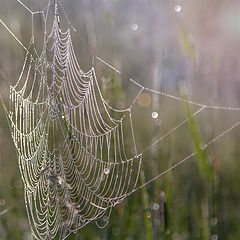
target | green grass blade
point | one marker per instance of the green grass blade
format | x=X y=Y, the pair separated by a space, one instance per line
x=146 y=208
x=204 y=166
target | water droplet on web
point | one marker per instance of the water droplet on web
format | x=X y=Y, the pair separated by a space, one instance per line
x=63 y=117
x=134 y=27
x=59 y=180
x=106 y=171
x=53 y=102
x=10 y=114
x=154 y=115
x=178 y=8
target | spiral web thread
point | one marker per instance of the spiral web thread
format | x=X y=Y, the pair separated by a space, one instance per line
x=73 y=155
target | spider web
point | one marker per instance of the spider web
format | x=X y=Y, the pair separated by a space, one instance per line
x=77 y=154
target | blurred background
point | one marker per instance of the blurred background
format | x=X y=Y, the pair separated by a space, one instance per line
x=182 y=47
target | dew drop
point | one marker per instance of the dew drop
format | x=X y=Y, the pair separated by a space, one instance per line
x=10 y=114
x=59 y=180
x=53 y=102
x=106 y=171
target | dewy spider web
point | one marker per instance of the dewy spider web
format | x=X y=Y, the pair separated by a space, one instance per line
x=73 y=156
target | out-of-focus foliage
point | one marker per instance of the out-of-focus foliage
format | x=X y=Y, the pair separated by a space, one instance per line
x=190 y=50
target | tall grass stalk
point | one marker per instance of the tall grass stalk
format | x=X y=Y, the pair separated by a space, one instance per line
x=204 y=166
x=147 y=222
x=206 y=171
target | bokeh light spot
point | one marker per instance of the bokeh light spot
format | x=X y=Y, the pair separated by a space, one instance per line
x=134 y=27
x=178 y=8
x=17 y=183
x=155 y=206
x=154 y=115
x=144 y=100
x=149 y=215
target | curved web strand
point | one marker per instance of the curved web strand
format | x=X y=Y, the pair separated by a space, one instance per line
x=72 y=152
x=77 y=159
